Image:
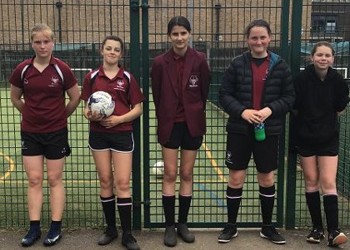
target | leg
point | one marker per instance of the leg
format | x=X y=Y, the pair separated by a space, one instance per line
x=267 y=198
x=57 y=199
x=328 y=171
x=234 y=192
x=187 y=161
x=311 y=178
x=34 y=168
x=105 y=173
x=169 y=179
x=122 y=172
x=57 y=192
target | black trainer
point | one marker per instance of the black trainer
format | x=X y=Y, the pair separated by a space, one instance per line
x=228 y=233
x=31 y=237
x=336 y=238
x=184 y=233
x=52 y=237
x=108 y=236
x=170 y=238
x=315 y=236
x=129 y=241
x=270 y=233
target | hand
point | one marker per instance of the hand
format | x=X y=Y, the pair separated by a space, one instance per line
x=251 y=116
x=93 y=116
x=111 y=121
x=264 y=113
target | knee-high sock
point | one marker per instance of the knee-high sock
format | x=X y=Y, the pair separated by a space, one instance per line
x=184 y=206
x=124 y=209
x=169 y=209
x=233 y=200
x=330 y=204
x=267 y=200
x=314 y=204
x=108 y=206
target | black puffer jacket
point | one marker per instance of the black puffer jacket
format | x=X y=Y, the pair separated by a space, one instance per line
x=235 y=94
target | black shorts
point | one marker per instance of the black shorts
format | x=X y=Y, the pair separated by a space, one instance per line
x=180 y=137
x=52 y=145
x=119 y=142
x=330 y=148
x=240 y=148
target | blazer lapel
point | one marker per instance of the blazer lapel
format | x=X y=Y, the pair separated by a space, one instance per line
x=189 y=60
x=171 y=71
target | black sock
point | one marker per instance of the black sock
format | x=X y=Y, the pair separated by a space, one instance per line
x=55 y=226
x=184 y=206
x=124 y=209
x=314 y=204
x=35 y=224
x=169 y=209
x=330 y=204
x=233 y=200
x=267 y=200
x=108 y=206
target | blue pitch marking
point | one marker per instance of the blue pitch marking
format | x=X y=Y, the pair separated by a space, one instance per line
x=211 y=195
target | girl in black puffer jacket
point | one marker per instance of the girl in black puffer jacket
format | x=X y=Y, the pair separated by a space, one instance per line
x=256 y=91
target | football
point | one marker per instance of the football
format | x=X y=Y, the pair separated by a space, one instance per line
x=102 y=103
x=158 y=169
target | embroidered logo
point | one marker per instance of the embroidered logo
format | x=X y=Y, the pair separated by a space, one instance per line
x=120 y=85
x=193 y=81
x=54 y=81
x=229 y=157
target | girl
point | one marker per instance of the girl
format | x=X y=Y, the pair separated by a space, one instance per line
x=180 y=85
x=111 y=139
x=321 y=95
x=256 y=89
x=42 y=81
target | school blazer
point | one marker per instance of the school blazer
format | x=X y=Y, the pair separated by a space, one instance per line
x=195 y=88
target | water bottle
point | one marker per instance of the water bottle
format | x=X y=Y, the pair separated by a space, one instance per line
x=259 y=131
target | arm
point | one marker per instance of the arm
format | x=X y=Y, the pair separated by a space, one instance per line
x=114 y=120
x=16 y=97
x=205 y=75
x=227 y=93
x=156 y=83
x=285 y=102
x=74 y=99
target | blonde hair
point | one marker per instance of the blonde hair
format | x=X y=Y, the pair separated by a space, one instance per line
x=41 y=27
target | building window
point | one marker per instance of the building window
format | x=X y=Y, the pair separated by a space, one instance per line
x=324 y=24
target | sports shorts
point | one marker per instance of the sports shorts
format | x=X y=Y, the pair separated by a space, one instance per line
x=53 y=145
x=240 y=147
x=119 y=142
x=181 y=137
x=329 y=148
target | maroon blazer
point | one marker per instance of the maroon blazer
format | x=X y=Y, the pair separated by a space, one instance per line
x=195 y=88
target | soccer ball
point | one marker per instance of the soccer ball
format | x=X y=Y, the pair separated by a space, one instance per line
x=101 y=102
x=158 y=169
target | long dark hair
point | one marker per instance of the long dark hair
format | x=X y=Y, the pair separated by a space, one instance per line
x=180 y=21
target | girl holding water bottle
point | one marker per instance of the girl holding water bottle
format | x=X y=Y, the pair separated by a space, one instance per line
x=256 y=92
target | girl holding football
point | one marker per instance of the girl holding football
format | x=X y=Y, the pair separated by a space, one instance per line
x=111 y=138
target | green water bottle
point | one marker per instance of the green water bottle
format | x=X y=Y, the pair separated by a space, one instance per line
x=259 y=130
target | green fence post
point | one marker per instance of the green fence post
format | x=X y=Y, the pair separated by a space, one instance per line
x=135 y=69
x=292 y=157
x=145 y=86
x=282 y=152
